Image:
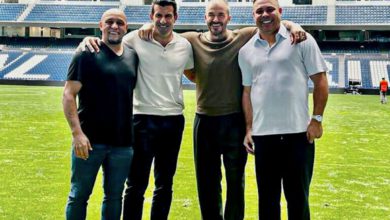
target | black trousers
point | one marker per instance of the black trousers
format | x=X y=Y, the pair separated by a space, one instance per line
x=284 y=160
x=158 y=138
x=216 y=137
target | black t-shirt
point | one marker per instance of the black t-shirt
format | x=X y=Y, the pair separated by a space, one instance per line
x=106 y=97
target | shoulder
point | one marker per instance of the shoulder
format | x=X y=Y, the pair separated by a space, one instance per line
x=182 y=40
x=190 y=35
x=130 y=56
x=249 y=44
x=246 y=30
x=129 y=50
x=82 y=55
x=309 y=42
x=130 y=37
x=245 y=33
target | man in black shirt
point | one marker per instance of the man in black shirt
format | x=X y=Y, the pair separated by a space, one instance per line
x=102 y=124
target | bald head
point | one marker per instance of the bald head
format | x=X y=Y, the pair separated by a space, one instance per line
x=218 y=3
x=274 y=2
x=113 y=12
x=113 y=25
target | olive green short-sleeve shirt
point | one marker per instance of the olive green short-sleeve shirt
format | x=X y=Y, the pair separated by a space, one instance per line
x=218 y=76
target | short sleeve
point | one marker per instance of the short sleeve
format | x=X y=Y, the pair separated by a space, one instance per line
x=245 y=69
x=76 y=67
x=312 y=56
x=190 y=61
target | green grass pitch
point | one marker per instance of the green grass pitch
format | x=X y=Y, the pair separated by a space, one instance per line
x=351 y=177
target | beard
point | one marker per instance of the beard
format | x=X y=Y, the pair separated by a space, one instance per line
x=213 y=30
x=115 y=41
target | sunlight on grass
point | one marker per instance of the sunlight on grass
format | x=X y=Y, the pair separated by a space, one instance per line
x=351 y=177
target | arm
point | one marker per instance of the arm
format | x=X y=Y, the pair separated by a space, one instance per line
x=146 y=32
x=80 y=141
x=248 y=113
x=92 y=43
x=190 y=74
x=320 y=97
x=297 y=33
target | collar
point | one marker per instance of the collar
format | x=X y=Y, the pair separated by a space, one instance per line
x=173 y=41
x=282 y=33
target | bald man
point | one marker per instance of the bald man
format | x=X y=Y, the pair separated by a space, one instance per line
x=101 y=124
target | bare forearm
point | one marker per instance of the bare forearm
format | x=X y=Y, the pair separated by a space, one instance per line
x=247 y=108
x=320 y=96
x=70 y=112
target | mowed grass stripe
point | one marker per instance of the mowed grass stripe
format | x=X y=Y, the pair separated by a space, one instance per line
x=351 y=176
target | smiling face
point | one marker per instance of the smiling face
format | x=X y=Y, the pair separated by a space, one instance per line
x=267 y=15
x=217 y=17
x=163 y=18
x=113 y=25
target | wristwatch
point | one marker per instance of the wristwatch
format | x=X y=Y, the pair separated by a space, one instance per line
x=317 y=117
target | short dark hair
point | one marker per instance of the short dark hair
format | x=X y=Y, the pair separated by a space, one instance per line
x=164 y=3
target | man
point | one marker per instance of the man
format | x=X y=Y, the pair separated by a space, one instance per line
x=383 y=86
x=275 y=100
x=102 y=125
x=219 y=126
x=158 y=110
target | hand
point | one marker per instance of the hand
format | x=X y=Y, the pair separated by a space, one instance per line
x=81 y=146
x=314 y=130
x=92 y=43
x=248 y=143
x=297 y=34
x=146 y=32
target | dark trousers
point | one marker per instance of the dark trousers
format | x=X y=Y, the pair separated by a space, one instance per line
x=158 y=138
x=216 y=136
x=284 y=160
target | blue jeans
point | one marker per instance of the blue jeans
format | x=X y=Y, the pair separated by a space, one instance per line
x=115 y=162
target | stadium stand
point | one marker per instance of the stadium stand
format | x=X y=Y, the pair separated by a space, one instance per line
x=67 y=13
x=191 y=15
x=333 y=74
x=6 y=58
x=10 y=12
x=35 y=65
x=379 y=69
x=137 y=14
x=354 y=72
x=354 y=47
x=362 y=14
x=306 y=14
x=40 y=43
x=355 y=42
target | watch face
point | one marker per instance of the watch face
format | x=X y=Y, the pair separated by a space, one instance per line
x=317 y=118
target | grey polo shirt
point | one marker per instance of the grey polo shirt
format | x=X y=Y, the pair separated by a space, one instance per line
x=278 y=76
